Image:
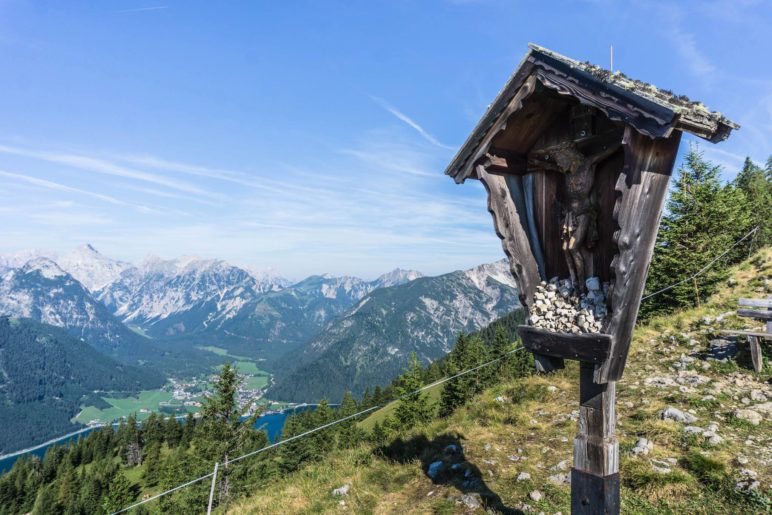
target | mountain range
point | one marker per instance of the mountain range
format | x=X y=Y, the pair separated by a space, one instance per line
x=318 y=336
x=370 y=343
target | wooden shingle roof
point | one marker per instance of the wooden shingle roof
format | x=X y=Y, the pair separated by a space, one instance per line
x=648 y=109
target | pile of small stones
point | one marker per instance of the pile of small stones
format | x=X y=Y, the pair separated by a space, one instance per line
x=558 y=308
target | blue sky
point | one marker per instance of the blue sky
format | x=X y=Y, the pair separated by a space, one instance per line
x=312 y=136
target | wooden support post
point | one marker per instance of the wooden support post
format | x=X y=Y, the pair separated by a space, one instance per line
x=754 y=345
x=595 y=475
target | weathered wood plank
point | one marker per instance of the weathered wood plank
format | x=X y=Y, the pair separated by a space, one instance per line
x=525 y=91
x=754 y=313
x=641 y=190
x=730 y=332
x=596 y=449
x=756 y=303
x=548 y=202
x=587 y=347
x=756 y=356
x=593 y=495
x=512 y=233
x=650 y=120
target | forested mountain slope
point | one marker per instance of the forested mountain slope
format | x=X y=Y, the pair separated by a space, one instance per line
x=45 y=373
x=371 y=343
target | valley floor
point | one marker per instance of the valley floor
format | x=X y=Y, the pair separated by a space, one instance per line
x=512 y=444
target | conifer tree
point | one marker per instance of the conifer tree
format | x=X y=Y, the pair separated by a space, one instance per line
x=152 y=464
x=69 y=486
x=349 y=433
x=379 y=434
x=45 y=503
x=187 y=430
x=120 y=494
x=172 y=431
x=367 y=399
x=322 y=442
x=500 y=349
x=378 y=396
x=756 y=183
x=292 y=453
x=90 y=494
x=413 y=407
x=703 y=218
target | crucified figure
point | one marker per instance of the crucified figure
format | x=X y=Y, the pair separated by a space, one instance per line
x=578 y=229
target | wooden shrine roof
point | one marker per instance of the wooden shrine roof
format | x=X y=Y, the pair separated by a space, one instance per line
x=649 y=110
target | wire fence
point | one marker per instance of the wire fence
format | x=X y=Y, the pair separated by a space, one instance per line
x=321 y=428
x=704 y=268
x=213 y=474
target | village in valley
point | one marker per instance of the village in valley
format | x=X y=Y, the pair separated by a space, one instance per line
x=180 y=396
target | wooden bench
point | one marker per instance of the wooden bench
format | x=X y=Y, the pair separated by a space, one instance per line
x=755 y=338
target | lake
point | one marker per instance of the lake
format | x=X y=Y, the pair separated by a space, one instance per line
x=272 y=423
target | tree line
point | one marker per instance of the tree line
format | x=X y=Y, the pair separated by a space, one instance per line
x=704 y=217
x=112 y=468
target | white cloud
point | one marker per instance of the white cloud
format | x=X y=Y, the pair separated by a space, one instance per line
x=696 y=62
x=101 y=166
x=409 y=121
x=42 y=183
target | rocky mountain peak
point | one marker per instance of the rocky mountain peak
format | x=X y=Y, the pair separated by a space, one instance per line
x=91 y=268
x=397 y=276
x=47 y=268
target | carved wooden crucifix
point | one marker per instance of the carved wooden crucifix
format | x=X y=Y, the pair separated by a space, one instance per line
x=576 y=162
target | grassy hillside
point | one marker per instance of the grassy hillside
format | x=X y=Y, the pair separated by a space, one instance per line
x=513 y=442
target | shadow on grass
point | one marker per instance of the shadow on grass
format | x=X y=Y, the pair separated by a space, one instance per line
x=443 y=461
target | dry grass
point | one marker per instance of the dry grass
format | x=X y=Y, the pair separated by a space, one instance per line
x=534 y=424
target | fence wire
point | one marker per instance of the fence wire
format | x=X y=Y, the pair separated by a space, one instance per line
x=414 y=392
x=320 y=428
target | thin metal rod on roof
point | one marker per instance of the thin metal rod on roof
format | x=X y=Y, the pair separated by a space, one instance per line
x=611 y=59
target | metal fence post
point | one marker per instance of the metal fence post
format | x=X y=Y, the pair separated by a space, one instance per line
x=211 y=490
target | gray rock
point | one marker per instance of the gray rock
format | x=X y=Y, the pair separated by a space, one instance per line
x=661 y=467
x=642 y=447
x=677 y=415
x=536 y=496
x=765 y=408
x=471 y=501
x=693 y=430
x=748 y=480
x=560 y=479
x=691 y=379
x=715 y=440
x=523 y=476
x=342 y=491
x=659 y=381
x=749 y=415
